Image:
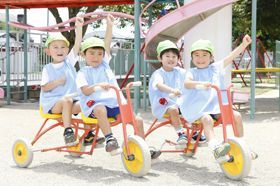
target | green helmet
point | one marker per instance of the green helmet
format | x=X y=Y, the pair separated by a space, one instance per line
x=166 y=44
x=56 y=37
x=92 y=42
x=202 y=45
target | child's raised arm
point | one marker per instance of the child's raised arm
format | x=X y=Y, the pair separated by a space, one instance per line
x=109 y=32
x=79 y=34
x=245 y=42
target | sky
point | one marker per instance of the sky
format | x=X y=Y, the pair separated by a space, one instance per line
x=38 y=18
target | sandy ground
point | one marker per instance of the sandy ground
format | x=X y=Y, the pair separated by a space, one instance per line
x=54 y=168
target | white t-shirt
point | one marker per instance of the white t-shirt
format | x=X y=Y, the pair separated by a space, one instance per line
x=81 y=80
x=71 y=57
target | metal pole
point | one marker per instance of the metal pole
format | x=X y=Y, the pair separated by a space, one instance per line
x=8 y=56
x=136 y=53
x=25 y=58
x=253 y=63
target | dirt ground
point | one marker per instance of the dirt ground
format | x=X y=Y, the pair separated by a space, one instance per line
x=54 y=168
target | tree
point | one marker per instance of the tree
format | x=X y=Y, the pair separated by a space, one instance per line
x=70 y=35
x=268 y=22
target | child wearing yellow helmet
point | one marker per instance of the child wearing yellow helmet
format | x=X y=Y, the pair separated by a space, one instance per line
x=167 y=80
x=97 y=73
x=58 y=79
x=203 y=104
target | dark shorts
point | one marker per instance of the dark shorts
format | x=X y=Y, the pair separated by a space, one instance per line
x=215 y=116
x=50 y=111
x=111 y=112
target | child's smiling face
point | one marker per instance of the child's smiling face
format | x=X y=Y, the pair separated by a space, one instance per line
x=201 y=58
x=169 y=60
x=58 y=50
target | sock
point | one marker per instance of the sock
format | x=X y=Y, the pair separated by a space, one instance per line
x=213 y=143
x=108 y=136
x=179 y=130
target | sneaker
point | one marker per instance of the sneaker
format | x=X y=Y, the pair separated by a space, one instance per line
x=69 y=137
x=183 y=139
x=111 y=144
x=90 y=137
x=202 y=138
x=221 y=150
x=155 y=154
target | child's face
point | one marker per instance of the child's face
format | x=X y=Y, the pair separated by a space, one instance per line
x=201 y=58
x=58 y=50
x=94 y=56
x=169 y=60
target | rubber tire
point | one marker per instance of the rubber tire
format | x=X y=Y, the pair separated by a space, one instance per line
x=22 y=153
x=79 y=148
x=240 y=167
x=141 y=165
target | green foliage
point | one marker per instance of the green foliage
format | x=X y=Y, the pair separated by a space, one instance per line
x=268 y=22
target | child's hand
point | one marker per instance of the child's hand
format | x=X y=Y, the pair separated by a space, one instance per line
x=110 y=19
x=207 y=85
x=79 y=21
x=246 y=40
x=176 y=92
x=61 y=80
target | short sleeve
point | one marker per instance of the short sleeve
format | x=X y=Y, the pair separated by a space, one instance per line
x=157 y=78
x=81 y=80
x=189 y=75
x=45 y=77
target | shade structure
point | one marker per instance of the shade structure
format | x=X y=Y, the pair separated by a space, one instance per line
x=59 y=3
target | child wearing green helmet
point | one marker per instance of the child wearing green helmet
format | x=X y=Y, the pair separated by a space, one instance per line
x=97 y=73
x=203 y=104
x=167 y=80
x=58 y=80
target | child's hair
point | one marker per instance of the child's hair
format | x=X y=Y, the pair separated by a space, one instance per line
x=167 y=46
x=56 y=37
x=92 y=42
x=173 y=50
x=202 y=45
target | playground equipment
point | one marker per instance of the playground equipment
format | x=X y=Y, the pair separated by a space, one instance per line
x=135 y=155
x=237 y=163
x=245 y=70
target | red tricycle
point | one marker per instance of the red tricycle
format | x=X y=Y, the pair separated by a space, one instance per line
x=236 y=165
x=135 y=151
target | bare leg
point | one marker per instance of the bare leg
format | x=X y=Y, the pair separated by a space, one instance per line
x=174 y=116
x=100 y=113
x=140 y=126
x=208 y=125
x=239 y=124
x=64 y=106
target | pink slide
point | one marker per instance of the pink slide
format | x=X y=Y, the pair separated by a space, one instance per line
x=178 y=22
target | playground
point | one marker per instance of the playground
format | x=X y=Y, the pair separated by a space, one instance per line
x=193 y=164
x=51 y=168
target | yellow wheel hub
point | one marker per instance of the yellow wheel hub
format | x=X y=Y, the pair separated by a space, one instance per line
x=20 y=153
x=234 y=168
x=134 y=165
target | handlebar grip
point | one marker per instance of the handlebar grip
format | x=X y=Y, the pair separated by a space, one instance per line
x=171 y=95
x=72 y=95
x=98 y=88
x=199 y=86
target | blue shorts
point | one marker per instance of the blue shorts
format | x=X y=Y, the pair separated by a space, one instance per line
x=111 y=112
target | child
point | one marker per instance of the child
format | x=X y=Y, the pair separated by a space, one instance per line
x=97 y=73
x=58 y=80
x=169 y=79
x=203 y=104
